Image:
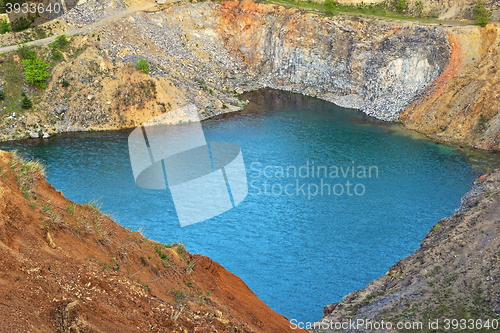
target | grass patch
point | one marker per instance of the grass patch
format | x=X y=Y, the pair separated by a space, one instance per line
x=12 y=72
x=94 y=204
x=393 y=9
x=181 y=251
x=190 y=267
x=179 y=296
x=165 y=258
x=90 y=219
x=113 y=265
x=27 y=172
x=70 y=208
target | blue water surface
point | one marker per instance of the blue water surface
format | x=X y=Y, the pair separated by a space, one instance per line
x=297 y=253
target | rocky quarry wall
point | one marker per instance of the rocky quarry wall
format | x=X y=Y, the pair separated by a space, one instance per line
x=208 y=53
x=372 y=66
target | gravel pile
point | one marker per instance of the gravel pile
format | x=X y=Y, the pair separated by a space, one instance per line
x=90 y=11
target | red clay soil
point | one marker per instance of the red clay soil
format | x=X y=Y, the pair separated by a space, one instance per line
x=438 y=86
x=68 y=268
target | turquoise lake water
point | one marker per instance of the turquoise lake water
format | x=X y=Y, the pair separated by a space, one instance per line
x=296 y=251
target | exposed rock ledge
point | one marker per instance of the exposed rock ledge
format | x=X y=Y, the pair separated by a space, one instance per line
x=205 y=53
x=439 y=80
x=374 y=66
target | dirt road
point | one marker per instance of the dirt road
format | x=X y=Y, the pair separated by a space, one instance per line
x=85 y=29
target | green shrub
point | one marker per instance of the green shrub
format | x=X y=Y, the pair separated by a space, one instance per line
x=178 y=295
x=26 y=52
x=26 y=102
x=60 y=43
x=40 y=33
x=4 y=26
x=35 y=72
x=2 y=95
x=400 y=5
x=70 y=208
x=329 y=6
x=419 y=8
x=22 y=23
x=482 y=14
x=56 y=55
x=142 y=65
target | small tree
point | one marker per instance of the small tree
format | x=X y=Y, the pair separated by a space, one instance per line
x=26 y=52
x=59 y=43
x=482 y=14
x=142 y=65
x=329 y=7
x=2 y=95
x=35 y=72
x=26 y=102
x=400 y=5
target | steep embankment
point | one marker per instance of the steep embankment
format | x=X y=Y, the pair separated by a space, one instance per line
x=205 y=53
x=462 y=105
x=68 y=268
x=455 y=274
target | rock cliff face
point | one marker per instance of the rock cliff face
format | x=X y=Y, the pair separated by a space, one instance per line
x=205 y=53
x=375 y=67
x=440 y=81
x=462 y=105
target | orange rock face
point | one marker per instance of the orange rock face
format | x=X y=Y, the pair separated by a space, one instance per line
x=462 y=105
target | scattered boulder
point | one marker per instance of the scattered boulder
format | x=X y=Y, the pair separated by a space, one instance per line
x=328 y=309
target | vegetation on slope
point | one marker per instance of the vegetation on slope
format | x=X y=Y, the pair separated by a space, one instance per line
x=482 y=14
x=395 y=9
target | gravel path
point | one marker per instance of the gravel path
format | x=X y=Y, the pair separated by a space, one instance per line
x=86 y=28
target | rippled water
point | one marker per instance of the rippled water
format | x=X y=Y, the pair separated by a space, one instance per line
x=297 y=252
